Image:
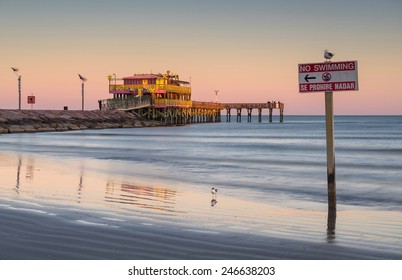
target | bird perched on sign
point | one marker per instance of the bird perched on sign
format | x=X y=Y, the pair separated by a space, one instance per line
x=328 y=55
x=82 y=78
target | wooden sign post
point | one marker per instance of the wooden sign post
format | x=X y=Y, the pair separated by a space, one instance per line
x=329 y=77
x=329 y=119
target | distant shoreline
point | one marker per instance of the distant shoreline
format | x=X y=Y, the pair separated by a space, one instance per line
x=28 y=121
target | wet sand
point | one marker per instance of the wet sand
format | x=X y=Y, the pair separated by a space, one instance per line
x=84 y=209
x=29 y=232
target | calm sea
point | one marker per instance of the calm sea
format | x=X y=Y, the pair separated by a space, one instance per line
x=168 y=170
x=267 y=161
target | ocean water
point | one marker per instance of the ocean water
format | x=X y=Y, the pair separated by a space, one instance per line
x=268 y=160
x=266 y=174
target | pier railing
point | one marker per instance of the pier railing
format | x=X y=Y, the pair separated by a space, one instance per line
x=151 y=88
x=163 y=102
x=207 y=105
x=126 y=104
x=267 y=105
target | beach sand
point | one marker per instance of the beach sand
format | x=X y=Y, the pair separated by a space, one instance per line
x=29 y=233
x=75 y=209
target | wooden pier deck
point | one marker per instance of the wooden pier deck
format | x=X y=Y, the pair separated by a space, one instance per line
x=249 y=107
x=184 y=111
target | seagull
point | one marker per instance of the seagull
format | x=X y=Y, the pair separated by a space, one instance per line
x=82 y=78
x=328 y=55
x=14 y=69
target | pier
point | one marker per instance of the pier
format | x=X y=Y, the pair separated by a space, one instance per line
x=166 y=98
x=249 y=107
x=177 y=112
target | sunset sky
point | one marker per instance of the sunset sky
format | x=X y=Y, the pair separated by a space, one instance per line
x=248 y=50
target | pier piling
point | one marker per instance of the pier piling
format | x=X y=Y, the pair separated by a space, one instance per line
x=249 y=111
x=238 y=114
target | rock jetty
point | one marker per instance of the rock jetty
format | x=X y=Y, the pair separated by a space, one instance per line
x=20 y=121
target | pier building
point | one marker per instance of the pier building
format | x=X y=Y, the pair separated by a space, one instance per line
x=166 y=98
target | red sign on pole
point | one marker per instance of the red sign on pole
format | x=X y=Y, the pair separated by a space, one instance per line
x=328 y=76
x=31 y=99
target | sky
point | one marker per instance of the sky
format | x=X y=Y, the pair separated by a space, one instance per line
x=248 y=50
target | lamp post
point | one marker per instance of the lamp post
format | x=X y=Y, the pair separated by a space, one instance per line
x=19 y=86
x=83 y=80
x=216 y=95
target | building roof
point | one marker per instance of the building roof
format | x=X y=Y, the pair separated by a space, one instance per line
x=142 y=76
x=156 y=76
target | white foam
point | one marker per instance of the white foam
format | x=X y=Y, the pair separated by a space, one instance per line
x=91 y=223
x=27 y=210
x=96 y=224
x=201 y=231
x=113 y=219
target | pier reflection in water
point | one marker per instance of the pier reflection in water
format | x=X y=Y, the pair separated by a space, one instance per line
x=48 y=181
x=145 y=197
x=331 y=224
x=70 y=183
x=74 y=182
x=17 y=183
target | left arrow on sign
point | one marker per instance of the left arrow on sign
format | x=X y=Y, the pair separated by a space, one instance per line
x=307 y=78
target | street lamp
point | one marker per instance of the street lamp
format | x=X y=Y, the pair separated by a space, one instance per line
x=83 y=80
x=19 y=86
x=216 y=95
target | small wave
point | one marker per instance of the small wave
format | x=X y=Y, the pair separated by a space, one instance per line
x=92 y=223
x=112 y=219
x=27 y=210
x=201 y=231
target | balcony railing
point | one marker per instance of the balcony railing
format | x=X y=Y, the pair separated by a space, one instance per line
x=151 y=88
x=143 y=101
x=162 y=102
x=125 y=104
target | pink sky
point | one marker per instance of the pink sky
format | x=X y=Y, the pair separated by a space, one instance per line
x=249 y=50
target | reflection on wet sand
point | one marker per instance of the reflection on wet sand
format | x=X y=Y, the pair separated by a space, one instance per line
x=331 y=222
x=30 y=168
x=156 y=198
x=73 y=182
x=80 y=187
x=56 y=184
x=17 y=184
x=29 y=172
x=213 y=202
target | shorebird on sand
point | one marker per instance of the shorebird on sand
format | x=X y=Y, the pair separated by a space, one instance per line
x=214 y=192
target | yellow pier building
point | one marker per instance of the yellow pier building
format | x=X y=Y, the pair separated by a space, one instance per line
x=166 y=98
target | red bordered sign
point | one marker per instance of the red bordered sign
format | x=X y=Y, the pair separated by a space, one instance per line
x=31 y=99
x=328 y=76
